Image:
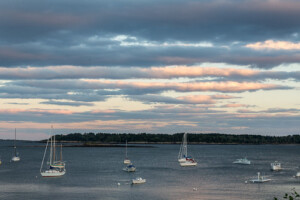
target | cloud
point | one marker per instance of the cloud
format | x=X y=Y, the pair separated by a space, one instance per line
x=167 y=72
x=86 y=36
x=67 y=103
x=234 y=105
x=37 y=111
x=226 y=86
x=176 y=63
x=190 y=99
x=274 y=45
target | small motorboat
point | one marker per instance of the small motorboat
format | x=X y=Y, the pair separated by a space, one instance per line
x=260 y=179
x=276 y=166
x=243 y=161
x=297 y=175
x=138 y=180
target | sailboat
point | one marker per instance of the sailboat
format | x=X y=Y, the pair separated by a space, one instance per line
x=126 y=160
x=129 y=168
x=56 y=167
x=16 y=156
x=183 y=158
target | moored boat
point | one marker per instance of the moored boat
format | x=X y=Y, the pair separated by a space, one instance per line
x=126 y=160
x=260 y=179
x=16 y=156
x=129 y=168
x=243 y=161
x=138 y=180
x=276 y=166
x=183 y=158
x=56 y=168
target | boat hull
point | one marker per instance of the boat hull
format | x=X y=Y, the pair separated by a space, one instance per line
x=15 y=159
x=181 y=160
x=260 y=181
x=188 y=164
x=276 y=166
x=129 y=169
x=52 y=173
x=126 y=161
x=243 y=161
x=138 y=181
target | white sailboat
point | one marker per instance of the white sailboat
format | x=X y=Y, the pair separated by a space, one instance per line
x=183 y=158
x=16 y=156
x=56 y=167
x=129 y=168
x=126 y=160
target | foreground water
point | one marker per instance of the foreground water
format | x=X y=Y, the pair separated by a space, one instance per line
x=94 y=173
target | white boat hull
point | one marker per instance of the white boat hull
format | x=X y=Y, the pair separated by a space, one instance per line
x=298 y=174
x=242 y=161
x=52 y=173
x=276 y=166
x=132 y=169
x=15 y=159
x=127 y=161
x=138 y=181
x=181 y=160
x=260 y=181
x=188 y=164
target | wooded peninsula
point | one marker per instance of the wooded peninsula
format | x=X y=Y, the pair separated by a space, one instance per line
x=199 y=138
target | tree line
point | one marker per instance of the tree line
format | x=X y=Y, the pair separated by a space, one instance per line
x=211 y=138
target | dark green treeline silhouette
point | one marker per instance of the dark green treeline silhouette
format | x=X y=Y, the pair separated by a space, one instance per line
x=212 y=138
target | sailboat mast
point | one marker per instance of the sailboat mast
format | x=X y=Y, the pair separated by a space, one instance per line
x=15 y=142
x=44 y=155
x=185 y=144
x=54 y=148
x=126 y=150
x=51 y=146
x=60 y=148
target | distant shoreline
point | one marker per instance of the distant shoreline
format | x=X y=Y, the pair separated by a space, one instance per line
x=80 y=144
x=119 y=139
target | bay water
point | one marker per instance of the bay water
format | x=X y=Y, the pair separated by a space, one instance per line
x=96 y=173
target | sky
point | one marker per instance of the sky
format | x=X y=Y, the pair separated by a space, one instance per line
x=159 y=66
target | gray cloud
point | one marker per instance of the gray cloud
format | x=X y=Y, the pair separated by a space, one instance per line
x=57 y=33
x=65 y=103
x=76 y=72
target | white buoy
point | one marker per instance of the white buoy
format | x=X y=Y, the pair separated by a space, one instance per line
x=119 y=184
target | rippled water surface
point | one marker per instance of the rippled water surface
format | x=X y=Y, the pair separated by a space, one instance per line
x=94 y=173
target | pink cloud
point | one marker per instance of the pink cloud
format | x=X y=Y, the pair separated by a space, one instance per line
x=274 y=45
x=227 y=86
x=195 y=71
x=37 y=111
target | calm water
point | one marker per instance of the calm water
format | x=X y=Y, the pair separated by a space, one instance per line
x=94 y=173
